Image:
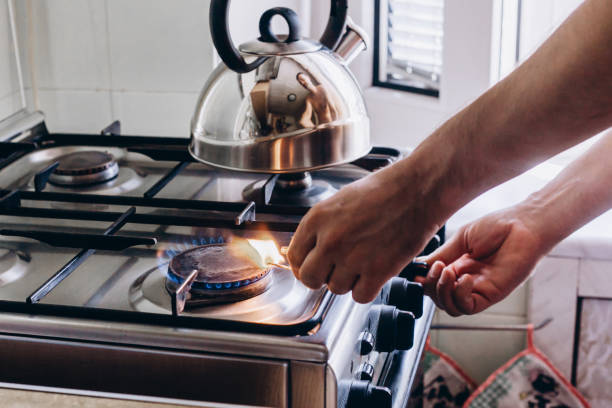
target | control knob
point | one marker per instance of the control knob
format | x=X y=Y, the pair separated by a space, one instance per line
x=365 y=372
x=405 y=295
x=365 y=343
x=395 y=330
x=363 y=394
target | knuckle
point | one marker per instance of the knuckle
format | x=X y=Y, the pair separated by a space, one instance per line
x=361 y=296
x=337 y=289
x=311 y=282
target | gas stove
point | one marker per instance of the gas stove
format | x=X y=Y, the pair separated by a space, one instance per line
x=129 y=269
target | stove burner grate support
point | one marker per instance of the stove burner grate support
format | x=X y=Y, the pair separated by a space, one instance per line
x=182 y=294
x=75 y=262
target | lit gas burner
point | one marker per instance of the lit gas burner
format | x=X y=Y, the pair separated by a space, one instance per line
x=13 y=265
x=85 y=168
x=225 y=273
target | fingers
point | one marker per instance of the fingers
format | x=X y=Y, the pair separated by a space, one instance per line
x=365 y=290
x=463 y=298
x=301 y=245
x=341 y=280
x=315 y=269
x=453 y=249
x=444 y=292
x=430 y=281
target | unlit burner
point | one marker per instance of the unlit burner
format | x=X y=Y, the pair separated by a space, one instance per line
x=226 y=273
x=85 y=168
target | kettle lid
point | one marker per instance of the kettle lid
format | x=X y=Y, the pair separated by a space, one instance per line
x=269 y=44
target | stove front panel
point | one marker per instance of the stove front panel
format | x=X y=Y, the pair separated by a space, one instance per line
x=148 y=372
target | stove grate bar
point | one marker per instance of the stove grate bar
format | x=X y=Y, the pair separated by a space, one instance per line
x=73 y=240
x=75 y=262
x=155 y=219
x=153 y=191
x=182 y=204
x=42 y=177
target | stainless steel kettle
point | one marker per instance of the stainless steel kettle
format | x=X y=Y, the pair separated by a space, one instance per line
x=282 y=104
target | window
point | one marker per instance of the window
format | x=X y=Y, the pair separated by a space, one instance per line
x=408 y=49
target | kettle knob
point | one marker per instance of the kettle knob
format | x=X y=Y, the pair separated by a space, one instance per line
x=219 y=28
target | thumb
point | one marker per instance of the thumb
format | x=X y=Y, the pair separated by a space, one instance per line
x=452 y=250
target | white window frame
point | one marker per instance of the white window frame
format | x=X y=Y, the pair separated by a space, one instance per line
x=403 y=118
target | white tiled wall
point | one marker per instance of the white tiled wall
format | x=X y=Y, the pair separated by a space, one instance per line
x=480 y=353
x=10 y=99
x=140 y=61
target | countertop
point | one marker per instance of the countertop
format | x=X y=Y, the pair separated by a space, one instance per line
x=42 y=397
x=593 y=241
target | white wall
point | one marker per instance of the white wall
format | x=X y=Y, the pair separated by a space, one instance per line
x=140 y=61
x=10 y=98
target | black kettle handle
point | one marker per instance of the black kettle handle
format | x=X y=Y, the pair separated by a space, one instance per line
x=219 y=27
x=336 y=24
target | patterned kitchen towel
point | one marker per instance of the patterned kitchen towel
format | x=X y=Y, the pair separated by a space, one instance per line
x=528 y=380
x=445 y=384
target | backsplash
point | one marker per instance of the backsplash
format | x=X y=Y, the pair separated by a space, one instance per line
x=140 y=61
x=10 y=97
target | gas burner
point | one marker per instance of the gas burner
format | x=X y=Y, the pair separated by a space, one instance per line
x=298 y=189
x=85 y=168
x=226 y=273
x=13 y=265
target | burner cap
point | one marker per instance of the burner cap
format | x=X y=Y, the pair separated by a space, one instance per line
x=85 y=168
x=298 y=189
x=226 y=272
x=13 y=266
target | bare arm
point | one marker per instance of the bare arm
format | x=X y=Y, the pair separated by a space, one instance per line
x=559 y=97
x=562 y=95
x=490 y=257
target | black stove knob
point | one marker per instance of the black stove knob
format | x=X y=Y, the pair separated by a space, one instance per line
x=395 y=330
x=365 y=372
x=432 y=245
x=365 y=343
x=363 y=394
x=405 y=295
x=414 y=269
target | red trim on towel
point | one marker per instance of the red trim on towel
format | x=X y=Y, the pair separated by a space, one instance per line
x=531 y=349
x=451 y=363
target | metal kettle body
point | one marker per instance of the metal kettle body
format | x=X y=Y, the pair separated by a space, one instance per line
x=282 y=104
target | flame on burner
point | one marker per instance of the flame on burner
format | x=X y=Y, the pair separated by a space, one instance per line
x=165 y=254
x=267 y=250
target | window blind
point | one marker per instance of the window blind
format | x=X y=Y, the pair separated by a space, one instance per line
x=410 y=47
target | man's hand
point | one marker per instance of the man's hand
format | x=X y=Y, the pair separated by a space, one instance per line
x=483 y=262
x=361 y=237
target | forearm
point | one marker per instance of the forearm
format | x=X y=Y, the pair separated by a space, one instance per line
x=558 y=98
x=578 y=194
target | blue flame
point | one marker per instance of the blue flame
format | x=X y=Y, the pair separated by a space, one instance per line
x=165 y=256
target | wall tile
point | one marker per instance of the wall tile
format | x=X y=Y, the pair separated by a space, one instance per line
x=594 y=278
x=9 y=81
x=154 y=114
x=71 y=49
x=479 y=353
x=159 y=45
x=595 y=353
x=76 y=111
x=552 y=293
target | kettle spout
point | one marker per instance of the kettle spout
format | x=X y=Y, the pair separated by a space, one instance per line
x=354 y=41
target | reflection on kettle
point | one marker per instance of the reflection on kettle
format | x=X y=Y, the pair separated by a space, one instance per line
x=282 y=103
x=320 y=106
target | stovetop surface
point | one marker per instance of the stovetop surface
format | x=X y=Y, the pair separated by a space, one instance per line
x=160 y=194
